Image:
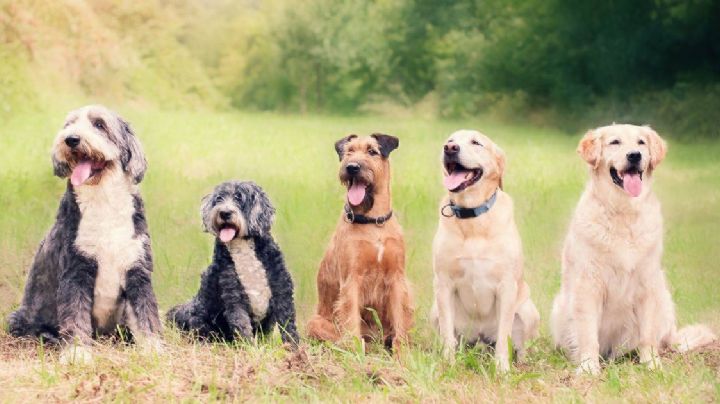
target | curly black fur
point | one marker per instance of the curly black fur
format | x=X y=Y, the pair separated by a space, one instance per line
x=221 y=309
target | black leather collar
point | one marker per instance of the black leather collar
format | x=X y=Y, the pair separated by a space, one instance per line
x=468 y=213
x=354 y=218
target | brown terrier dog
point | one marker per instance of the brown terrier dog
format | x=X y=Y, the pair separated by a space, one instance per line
x=361 y=281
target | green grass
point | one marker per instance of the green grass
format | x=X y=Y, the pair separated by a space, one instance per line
x=292 y=158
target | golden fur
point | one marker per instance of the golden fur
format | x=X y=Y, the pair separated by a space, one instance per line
x=363 y=269
x=614 y=296
x=480 y=293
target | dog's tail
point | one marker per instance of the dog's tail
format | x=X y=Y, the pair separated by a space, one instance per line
x=692 y=337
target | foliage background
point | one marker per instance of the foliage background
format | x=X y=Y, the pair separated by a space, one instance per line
x=561 y=63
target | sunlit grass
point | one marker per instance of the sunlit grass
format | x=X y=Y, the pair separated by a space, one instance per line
x=292 y=158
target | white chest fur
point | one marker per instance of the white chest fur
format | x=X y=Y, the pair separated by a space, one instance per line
x=252 y=276
x=106 y=234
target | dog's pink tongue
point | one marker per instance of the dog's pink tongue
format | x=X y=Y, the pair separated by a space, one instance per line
x=632 y=184
x=455 y=179
x=356 y=194
x=81 y=173
x=227 y=234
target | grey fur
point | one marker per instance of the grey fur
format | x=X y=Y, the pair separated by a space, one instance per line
x=132 y=157
x=60 y=290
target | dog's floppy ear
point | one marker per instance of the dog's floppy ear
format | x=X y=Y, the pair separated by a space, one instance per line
x=60 y=168
x=590 y=148
x=205 y=212
x=387 y=143
x=657 y=146
x=500 y=161
x=340 y=145
x=262 y=214
x=132 y=156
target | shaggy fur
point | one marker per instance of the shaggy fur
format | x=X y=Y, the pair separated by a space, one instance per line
x=480 y=294
x=92 y=271
x=246 y=290
x=614 y=297
x=363 y=272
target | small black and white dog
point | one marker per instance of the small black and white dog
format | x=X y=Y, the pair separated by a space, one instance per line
x=246 y=290
x=92 y=271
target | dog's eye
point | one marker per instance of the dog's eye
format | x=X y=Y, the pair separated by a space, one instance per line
x=99 y=124
x=615 y=142
x=373 y=152
x=217 y=200
x=476 y=143
x=641 y=141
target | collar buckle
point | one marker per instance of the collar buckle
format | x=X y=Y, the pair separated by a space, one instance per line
x=469 y=213
x=351 y=218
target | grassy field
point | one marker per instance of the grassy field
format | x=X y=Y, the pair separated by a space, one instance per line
x=292 y=158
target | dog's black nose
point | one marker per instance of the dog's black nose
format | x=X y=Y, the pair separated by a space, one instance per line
x=451 y=148
x=352 y=168
x=225 y=214
x=634 y=157
x=72 y=141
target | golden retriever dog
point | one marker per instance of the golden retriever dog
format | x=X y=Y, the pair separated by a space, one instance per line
x=614 y=298
x=480 y=294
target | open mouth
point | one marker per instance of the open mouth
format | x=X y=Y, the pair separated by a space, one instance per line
x=356 y=192
x=629 y=180
x=459 y=177
x=227 y=232
x=87 y=170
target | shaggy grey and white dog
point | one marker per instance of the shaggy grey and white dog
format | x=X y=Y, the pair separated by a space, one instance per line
x=247 y=289
x=92 y=271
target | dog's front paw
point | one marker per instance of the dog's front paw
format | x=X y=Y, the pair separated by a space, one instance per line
x=653 y=363
x=650 y=358
x=151 y=346
x=588 y=367
x=448 y=353
x=502 y=365
x=77 y=355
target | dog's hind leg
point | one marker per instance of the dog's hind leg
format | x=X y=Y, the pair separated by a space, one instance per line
x=322 y=329
x=37 y=315
x=181 y=315
x=321 y=325
x=18 y=325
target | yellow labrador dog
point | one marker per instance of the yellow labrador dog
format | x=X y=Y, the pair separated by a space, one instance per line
x=480 y=294
x=614 y=297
